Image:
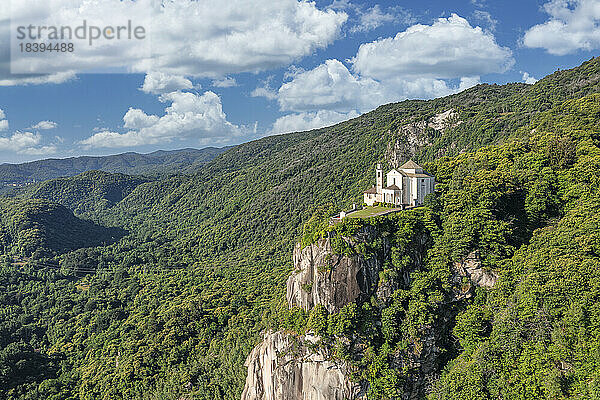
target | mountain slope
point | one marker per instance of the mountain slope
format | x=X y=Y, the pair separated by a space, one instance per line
x=274 y=184
x=159 y=162
x=488 y=292
x=87 y=194
x=182 y=299
x=46 y=228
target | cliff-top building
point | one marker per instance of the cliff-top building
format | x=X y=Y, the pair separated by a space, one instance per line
x=406 y=186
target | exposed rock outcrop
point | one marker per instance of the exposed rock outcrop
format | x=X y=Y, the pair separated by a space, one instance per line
x=470 y=267
x=412 y=138
x=286 y=367
x=417 y=135
x=444 y=120
x=322 y=277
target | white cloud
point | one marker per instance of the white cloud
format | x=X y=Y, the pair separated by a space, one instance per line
x=159 y=82
x=375 y=17
x=422 y=62
x=242 y=36
x=266 y=90
x=331 y=86
x=573 y=25
x=45 y=125
x=189 y=116
x=269 y=93
x=225 y=82
x=25 y=143
x=310 y=120
x=449 y=48
x=20 y=140
x=40 y=151
x=135 y=118
x=114 y=139
x=486 y=18
x=3 y=121
x=57 y=78
x=528 y=78
x=185 y=37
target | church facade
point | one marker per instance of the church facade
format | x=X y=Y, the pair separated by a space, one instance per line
x=406 y=186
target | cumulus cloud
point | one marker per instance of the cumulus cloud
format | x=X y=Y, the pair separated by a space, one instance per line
x=45 y=125
x=20 y=140
x=572 y=25
x=449 y=48
x=159 y=83
x=528 y=78
x=425 y=61
x=25 y=143
x=237 y=36
x=331 y=86
x=189 y=116
x=310 y=120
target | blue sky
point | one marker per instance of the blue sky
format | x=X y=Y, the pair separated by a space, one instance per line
x=216 y=75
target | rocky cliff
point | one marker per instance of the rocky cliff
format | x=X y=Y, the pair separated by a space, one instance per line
x=470 y=267
x=323 y=277
x=416 y=136
x=289 y=366
x=286 y=366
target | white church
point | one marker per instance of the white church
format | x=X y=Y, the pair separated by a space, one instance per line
x=406 y=186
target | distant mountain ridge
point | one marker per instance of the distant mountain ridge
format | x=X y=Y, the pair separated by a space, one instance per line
x=156 y=163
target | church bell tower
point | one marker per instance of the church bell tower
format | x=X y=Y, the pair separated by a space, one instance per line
x=379 y=178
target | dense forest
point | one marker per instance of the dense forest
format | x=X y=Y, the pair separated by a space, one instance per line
x=122 y=287
x=157 y=163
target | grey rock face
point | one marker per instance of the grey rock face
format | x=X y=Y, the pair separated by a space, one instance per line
x=332 y=280
x=444 y=120
x=283 y=367
x=414 y=136
x=287 y=367
x=471 y=268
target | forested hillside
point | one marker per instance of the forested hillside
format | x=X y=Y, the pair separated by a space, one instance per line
x=87 y=194
x=157 y=163
x=175 y=306
x=527 y=212
x=43 y=228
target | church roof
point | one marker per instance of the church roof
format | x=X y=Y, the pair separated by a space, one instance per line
x=418 y=175
x=410 y=164
x=372 y=190
x=392 y=187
